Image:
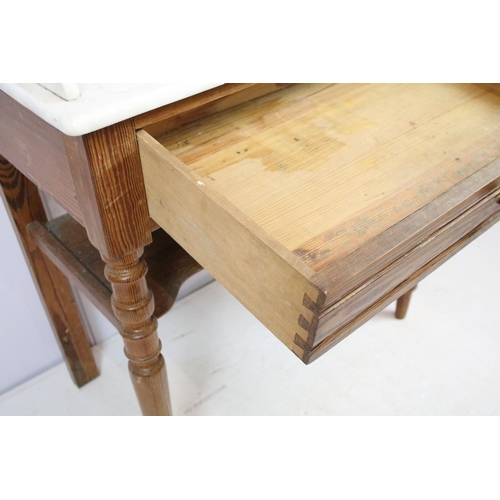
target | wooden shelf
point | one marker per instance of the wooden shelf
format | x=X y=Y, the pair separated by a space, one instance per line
x=64 y=241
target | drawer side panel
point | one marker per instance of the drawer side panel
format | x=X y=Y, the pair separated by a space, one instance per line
x=270 y=283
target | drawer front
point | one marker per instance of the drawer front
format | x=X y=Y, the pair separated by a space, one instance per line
x=351 y=312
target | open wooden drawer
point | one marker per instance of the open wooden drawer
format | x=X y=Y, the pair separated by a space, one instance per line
x=317 y=205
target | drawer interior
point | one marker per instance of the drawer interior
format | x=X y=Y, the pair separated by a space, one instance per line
x=324 y=168
x=338 y=180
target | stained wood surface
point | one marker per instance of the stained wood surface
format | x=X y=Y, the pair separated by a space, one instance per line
x=316 y=203
x=107 y=173
x=74 y=268
x=23 y=202
x=492 y=86
x=37 y=150
x=343 y=276
x=410 y=282
x=202 y=105
x=66 y=243
x=403 y=303
x=382 y=283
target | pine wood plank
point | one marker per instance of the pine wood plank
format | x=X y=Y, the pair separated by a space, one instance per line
x=382 y=302
x=202 y=105
x=315 y=203
x=288 y=160
x=343 y=276
x=382 y=283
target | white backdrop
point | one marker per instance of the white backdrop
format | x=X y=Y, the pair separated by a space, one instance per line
x=27 y=346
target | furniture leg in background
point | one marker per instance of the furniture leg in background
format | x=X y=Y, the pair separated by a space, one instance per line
x=109 y=184
x=24 y=205
x=403 y=303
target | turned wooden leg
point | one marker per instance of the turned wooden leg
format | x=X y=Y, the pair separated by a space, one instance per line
x=403 y=303
x=23 y=202
x=107 y=172
x=133 y=305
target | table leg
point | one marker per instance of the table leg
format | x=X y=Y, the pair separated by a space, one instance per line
x=107 y=172
x=403 y=303
x=24 y=204
x=133 y=305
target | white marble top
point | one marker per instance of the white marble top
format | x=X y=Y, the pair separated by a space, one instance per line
x=86 y=107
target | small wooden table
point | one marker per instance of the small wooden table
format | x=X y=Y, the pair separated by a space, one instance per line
x=315 y=205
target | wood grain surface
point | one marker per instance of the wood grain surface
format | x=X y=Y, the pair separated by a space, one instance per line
x=324 y=168
x=315 y=203
x=202 y=105
x=238 y=253
x=24 y=204
x=37 y=150
x=75 y=270
x=343 y=276
x=410 y=282
x=66 y=244
x=383 y=282
x=107 y=172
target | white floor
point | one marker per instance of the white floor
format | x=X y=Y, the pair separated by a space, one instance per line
x=443 y=359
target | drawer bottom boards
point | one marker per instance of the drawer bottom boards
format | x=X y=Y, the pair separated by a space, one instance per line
x=318 y=205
